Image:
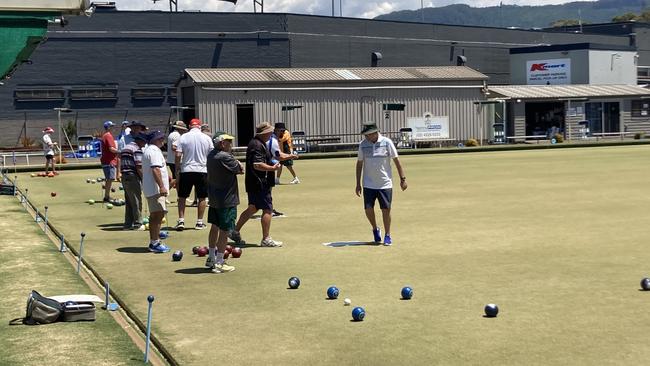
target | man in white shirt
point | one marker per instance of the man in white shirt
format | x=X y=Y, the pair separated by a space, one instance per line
x=179 y=128
x=48 y=149
x=374 y=156
x=155 y=185
x=192 y=152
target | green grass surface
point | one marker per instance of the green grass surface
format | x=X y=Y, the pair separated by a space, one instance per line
x=31 y=262
x=557 y=238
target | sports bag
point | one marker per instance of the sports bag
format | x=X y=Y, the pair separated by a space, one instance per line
x=42 y=310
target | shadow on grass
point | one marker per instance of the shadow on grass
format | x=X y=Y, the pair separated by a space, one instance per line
x=118 y=224
x=133 y=250
x=196 y=270
x=339 y=244
x=113 y=229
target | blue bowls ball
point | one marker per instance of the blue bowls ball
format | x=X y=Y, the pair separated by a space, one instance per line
x=294 y=282
x=491 y=310
x=332 y=293
x=407 y=293
x=645 y=284
x=164 y=234
x=177 y=256
x=358 y=314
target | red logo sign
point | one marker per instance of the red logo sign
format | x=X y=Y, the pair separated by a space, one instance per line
x=538 y=67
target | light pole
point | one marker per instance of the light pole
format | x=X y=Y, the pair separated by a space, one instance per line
x=59 y=110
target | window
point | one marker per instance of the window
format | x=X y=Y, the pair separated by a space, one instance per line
x=640 y=108
x=35 y=95
x=93 y=93
x=393 y=107
x=148 y=93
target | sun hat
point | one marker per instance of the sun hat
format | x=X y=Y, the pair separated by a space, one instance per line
x=223 y=137
x=180 y=125
x=263 y=128
x=156 y=135
x=369 y=127
x=48 y=129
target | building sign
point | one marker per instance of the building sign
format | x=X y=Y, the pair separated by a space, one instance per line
x=552 y=72
x=429 y=127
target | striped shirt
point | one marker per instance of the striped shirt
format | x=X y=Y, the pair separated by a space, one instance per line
x=130 y=158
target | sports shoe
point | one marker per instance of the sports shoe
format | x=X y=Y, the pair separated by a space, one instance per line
x=222 y=268
x=387 y=240
x=235 y=236
x=210 y=262
x=200 y=226
x=377 y=234
x=180 y=225
x=138 y=227
x=269 y=242
x=158 y=248
x=295 y=181
x=277 y=213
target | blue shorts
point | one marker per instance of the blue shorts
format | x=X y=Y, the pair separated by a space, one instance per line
x=110 y=172
x=261 y=200
x=384 y=196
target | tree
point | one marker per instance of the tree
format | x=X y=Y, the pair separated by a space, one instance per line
x=565 y=23
x=624 y=18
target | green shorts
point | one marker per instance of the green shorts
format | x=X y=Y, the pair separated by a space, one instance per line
x=224 y=218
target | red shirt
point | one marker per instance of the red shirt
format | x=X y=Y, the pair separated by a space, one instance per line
x=108 y=157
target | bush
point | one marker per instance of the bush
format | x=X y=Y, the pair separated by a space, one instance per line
x=71 y=130
x=471 y=142
x=27 y=141
x=639 y=135
x=558 y=137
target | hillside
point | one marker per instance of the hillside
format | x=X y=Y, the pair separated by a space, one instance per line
x=601 y=11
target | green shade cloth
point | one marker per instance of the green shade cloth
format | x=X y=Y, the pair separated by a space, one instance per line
x=20 y=34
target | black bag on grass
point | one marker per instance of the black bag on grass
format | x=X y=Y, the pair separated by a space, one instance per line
x=42 y=310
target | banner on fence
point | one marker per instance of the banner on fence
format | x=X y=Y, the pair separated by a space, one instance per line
x=429 y=127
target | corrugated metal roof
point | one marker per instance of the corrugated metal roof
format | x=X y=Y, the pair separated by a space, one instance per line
x=567 y=91
x=435 y=73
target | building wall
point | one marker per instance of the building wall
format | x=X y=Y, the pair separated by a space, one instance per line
x=129 y=49
x=579 y=65
x=342 y=112
x=612 y=67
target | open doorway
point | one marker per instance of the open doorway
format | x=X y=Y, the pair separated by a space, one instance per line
x=245 y=124
x=544 y=119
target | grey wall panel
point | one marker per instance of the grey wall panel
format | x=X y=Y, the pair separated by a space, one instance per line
x=327 y=112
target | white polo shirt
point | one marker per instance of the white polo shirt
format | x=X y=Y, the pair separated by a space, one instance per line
x=195 y=147
x=47 y=145
x=377 y=172
x=172 y=140
x=152 y=157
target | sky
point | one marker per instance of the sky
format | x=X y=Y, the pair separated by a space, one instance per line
x=351 y=8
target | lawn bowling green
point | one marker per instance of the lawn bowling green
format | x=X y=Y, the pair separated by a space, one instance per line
x=556 y=238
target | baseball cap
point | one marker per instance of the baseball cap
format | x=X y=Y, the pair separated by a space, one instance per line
x=108 y=124
x=125 y=123
x=195 y=122
x=223 y=136
x=48 y=129
x=180 y=125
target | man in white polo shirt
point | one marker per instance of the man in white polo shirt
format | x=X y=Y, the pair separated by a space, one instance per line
x=375 y=154
x=155 y=185
x=192 y=152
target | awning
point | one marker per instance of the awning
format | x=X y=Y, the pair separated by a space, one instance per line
x=20 y=34
x=556 y=92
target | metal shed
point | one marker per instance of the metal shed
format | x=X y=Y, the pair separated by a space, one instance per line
x=335 y=101
x=603 y=109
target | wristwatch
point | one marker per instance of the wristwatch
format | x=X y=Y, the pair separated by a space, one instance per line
x=402 y=178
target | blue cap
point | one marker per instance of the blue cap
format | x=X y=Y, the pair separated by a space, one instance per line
x=108 y=124
x=156 y=135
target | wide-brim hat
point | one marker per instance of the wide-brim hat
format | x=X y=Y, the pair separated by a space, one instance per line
x=369 y=127
x=156 y=135
x=223 y=137
x=263 y=128
x=180 y=125
x=281 y=125
x=138 y=124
